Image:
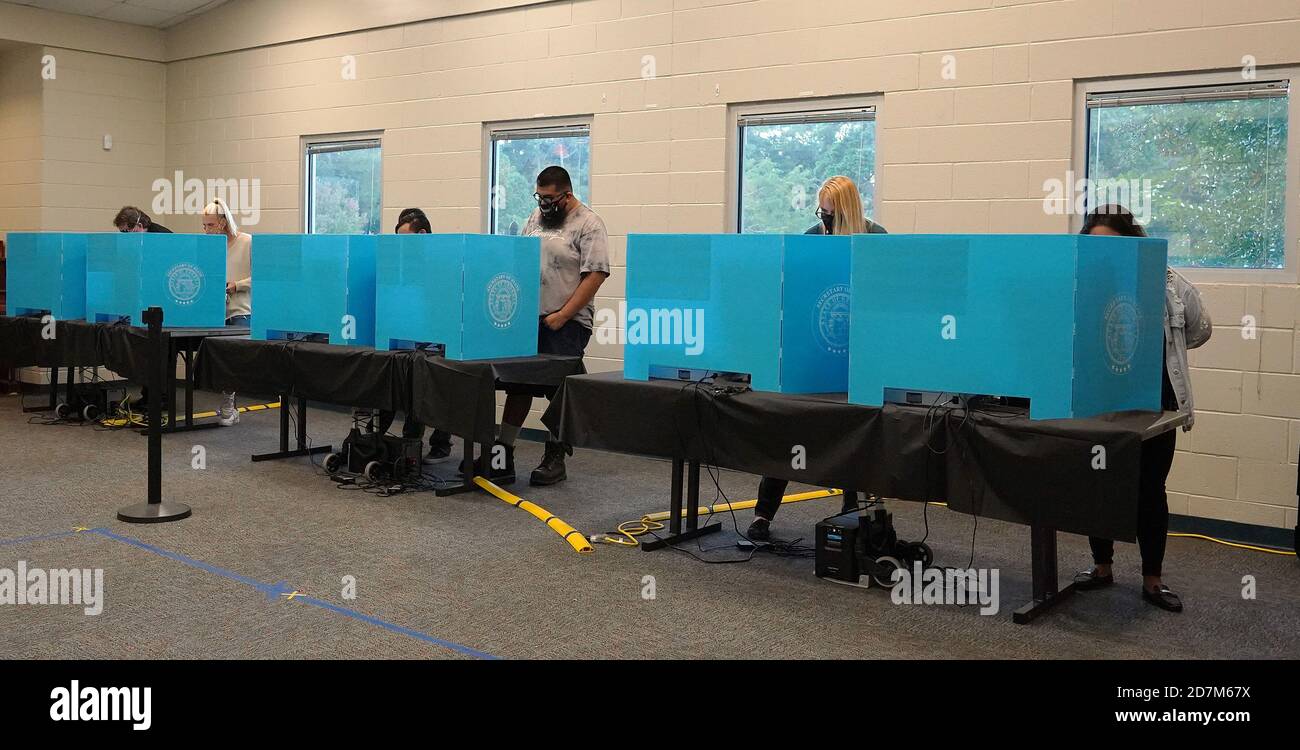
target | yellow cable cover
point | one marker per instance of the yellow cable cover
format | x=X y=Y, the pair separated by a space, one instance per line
x=570 y=534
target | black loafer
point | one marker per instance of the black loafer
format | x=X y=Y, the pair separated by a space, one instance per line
x=1088 y=580
x=760 y=530
x=1163 y=598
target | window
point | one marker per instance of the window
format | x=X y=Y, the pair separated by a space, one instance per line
x=1205 y=165
x=516 y=156
x=344 y=187
x=784 y=157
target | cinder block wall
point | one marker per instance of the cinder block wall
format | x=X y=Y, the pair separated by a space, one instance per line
x=963 y=154
x=21 y=152
x=91 y=96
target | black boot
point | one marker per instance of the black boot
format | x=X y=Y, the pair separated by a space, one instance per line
x=551 y=470
x=440 y=445
x=497 y=463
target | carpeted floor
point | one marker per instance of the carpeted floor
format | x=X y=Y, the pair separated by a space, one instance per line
x=467 y=576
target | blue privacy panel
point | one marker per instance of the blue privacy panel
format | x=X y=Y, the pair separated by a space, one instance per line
x=1073 y=323
x=477 y=295
x=184 y=274
x=314 y=284
x=46 y=273
x=773 y=306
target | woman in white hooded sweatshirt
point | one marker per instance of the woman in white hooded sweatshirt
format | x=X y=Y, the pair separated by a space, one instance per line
x=217 y=219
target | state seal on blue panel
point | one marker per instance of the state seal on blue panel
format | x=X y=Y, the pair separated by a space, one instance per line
x=184 y=282
x=502 y=299
x=831 y=319
x=1123 y=333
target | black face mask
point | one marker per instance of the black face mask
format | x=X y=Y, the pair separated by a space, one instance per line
x=551 y=215
x=828 y=221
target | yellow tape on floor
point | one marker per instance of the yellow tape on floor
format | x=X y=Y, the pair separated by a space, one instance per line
x=570 y=534
x=139 y=418
x=745 y=504
x=254 y=407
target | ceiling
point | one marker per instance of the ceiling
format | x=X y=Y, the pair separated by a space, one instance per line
x=159 y=14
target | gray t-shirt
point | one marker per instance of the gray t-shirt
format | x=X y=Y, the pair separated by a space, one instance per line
x=580 y=246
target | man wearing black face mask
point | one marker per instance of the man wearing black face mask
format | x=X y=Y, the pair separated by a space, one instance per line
x=575 y=262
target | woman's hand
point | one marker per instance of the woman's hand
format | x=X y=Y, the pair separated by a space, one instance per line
x=230 y=288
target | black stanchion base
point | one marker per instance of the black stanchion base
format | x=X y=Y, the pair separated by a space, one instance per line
x=154 y=512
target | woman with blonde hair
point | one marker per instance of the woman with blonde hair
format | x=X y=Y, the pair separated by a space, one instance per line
x=217 y=219
x=839 y=211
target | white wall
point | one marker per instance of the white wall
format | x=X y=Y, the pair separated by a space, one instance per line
x=962 y=155
x=21 y=131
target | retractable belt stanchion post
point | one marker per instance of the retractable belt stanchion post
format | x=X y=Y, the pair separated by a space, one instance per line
x=155 y=510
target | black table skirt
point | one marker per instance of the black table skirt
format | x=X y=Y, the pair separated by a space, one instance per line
x=999 y=465
x=460 y=397
x=455 y=396
x=121 y=348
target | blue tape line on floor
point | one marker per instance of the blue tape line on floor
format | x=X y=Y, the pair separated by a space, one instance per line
x=273 y=591
x=396 y=628
x=183 y=559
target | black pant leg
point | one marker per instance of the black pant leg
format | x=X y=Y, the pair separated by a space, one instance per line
x=1103 y=550
x=412 y=429
x=1153 y=501
x=770 y=493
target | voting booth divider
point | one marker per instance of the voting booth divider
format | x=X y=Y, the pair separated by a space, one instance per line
x=1073 y=323
x=46 y=274
x=472 y=296
x=774 y=307
x=314 y=285
x=182 y=274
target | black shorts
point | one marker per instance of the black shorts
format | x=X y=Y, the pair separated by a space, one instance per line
x=570 y=340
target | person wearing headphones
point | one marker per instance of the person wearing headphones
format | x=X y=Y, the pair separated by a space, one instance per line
x=132 y=219
x=839 y=211
x=217 y=219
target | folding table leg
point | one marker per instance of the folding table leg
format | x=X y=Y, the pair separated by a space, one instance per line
x=693 y=529
x=1045 y=576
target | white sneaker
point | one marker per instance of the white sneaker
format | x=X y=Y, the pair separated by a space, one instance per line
x=228 y=414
